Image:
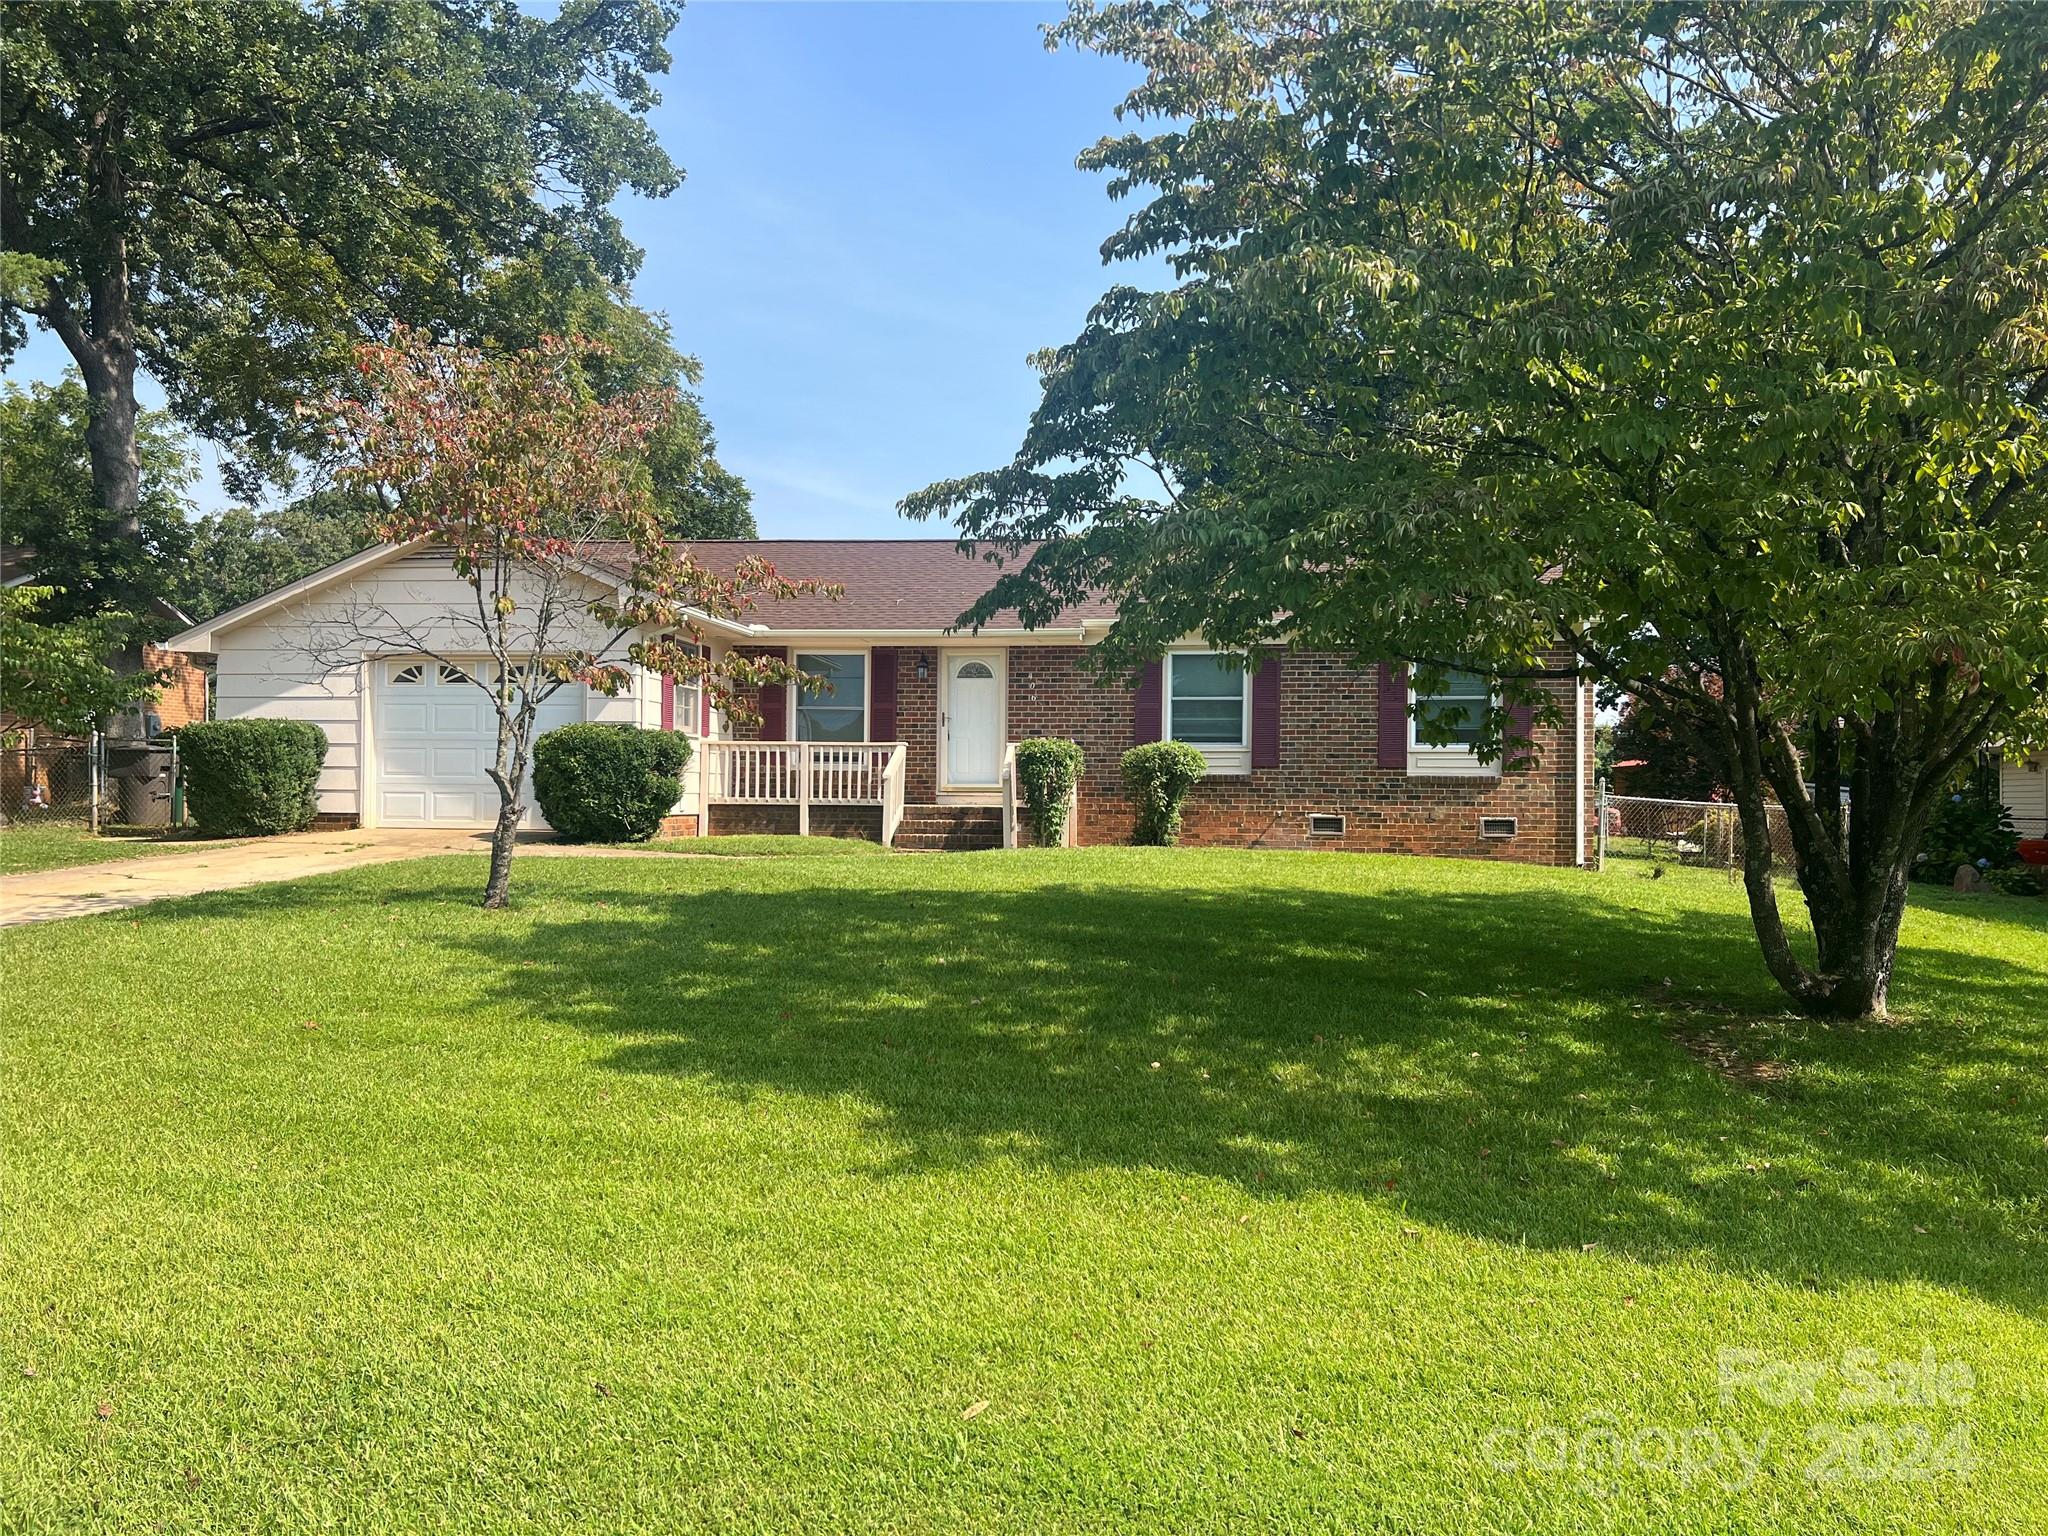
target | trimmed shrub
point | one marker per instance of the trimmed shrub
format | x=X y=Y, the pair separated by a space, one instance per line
x=251 y=778
x=1048 y=767
x=608 y=783
x=1157 y=778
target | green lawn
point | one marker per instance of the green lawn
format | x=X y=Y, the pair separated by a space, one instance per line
x=1111 y=1190
x=765 y=845
x=25 y=849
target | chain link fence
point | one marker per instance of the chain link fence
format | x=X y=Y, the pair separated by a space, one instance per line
x=1706 y=834
x=91 y=781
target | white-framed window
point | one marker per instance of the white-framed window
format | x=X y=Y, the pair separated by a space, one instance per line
x=1455 y=714
x=834 y=705
x=1208 y=700
x=406 y=674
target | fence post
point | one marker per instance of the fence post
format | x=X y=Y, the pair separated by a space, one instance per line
x=92 y=781
x=1601 y=865
x=177 y=788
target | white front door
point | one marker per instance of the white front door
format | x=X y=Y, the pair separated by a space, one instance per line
x=436 y=737
x=973 y=720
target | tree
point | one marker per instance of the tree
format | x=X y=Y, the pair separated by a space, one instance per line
x=55 y=673
x=230 y=193
x=92 y=567
x=240 y=553
x=1672 y=764
x=695 y=496
x=539 y=493
x=1689 y=342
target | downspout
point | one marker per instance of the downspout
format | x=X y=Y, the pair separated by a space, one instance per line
x=1579 y=772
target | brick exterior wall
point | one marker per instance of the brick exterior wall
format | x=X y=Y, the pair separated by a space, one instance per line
x=1328 y=765
x=183 y=698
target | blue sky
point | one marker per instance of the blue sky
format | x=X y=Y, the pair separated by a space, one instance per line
x=880 y=221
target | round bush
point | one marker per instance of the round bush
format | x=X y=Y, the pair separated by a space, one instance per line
x=608 y=783
x=251 y=778
x=1157 y=777
x=1047 y=770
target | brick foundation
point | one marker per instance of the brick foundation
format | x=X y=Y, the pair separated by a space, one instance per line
x=861 y=821
x=336 y=821
x=678 y=826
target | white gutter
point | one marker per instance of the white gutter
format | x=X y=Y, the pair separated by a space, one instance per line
x=938 y=636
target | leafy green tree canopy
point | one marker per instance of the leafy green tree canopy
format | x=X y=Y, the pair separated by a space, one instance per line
x=231 y=193
x=1705 y=341
x=51 y=515
x=54 y=672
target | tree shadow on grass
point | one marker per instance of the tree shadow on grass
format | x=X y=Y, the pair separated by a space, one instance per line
x=1505 y=1064
x=1512 y=1064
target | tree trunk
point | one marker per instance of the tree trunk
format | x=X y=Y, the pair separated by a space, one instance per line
x=497 y=889
x=508 y=772
x=101 y=339
x=110 y=434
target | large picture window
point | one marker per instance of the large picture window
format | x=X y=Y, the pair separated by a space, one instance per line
x=833 y=707
x=1455 y=713
x=1205 y=694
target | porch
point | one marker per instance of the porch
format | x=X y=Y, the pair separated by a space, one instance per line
x=822 y=781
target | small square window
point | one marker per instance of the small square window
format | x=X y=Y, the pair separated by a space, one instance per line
x=1455 y=713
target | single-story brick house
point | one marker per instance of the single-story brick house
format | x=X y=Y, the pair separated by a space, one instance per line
x=911 y=742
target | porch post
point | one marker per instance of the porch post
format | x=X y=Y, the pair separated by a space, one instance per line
x=803 y=790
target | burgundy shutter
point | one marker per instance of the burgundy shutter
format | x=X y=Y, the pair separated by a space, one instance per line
x=1145 y=704
x=1266 y=713
x=1522 y=725
x=704 y=692
x=774 y=704
x=668 y=696
x=882 y=693
x=1393 y=727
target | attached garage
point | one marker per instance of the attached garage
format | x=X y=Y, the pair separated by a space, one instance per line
x=410 y=736
x=433 y=737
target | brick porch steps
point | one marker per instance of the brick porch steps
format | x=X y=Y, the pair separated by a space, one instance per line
x=950 y=828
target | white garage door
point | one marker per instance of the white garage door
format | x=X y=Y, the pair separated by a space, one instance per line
x=436 y=735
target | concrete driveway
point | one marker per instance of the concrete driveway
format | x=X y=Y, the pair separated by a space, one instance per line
x=88 y=888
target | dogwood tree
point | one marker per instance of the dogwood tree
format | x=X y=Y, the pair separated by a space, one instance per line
x=537 y=493
x=1703 y=344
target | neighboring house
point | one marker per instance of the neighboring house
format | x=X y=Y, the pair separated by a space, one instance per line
x=1306 y=750
x=179 y=701
x=2023 y=787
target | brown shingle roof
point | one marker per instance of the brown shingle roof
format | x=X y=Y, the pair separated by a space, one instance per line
x=891 y=584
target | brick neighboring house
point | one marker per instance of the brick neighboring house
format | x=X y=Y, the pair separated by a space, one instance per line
x=1304 y=750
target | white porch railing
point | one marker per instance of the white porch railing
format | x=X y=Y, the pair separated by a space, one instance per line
x=1013 y=803
x=804 y=774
